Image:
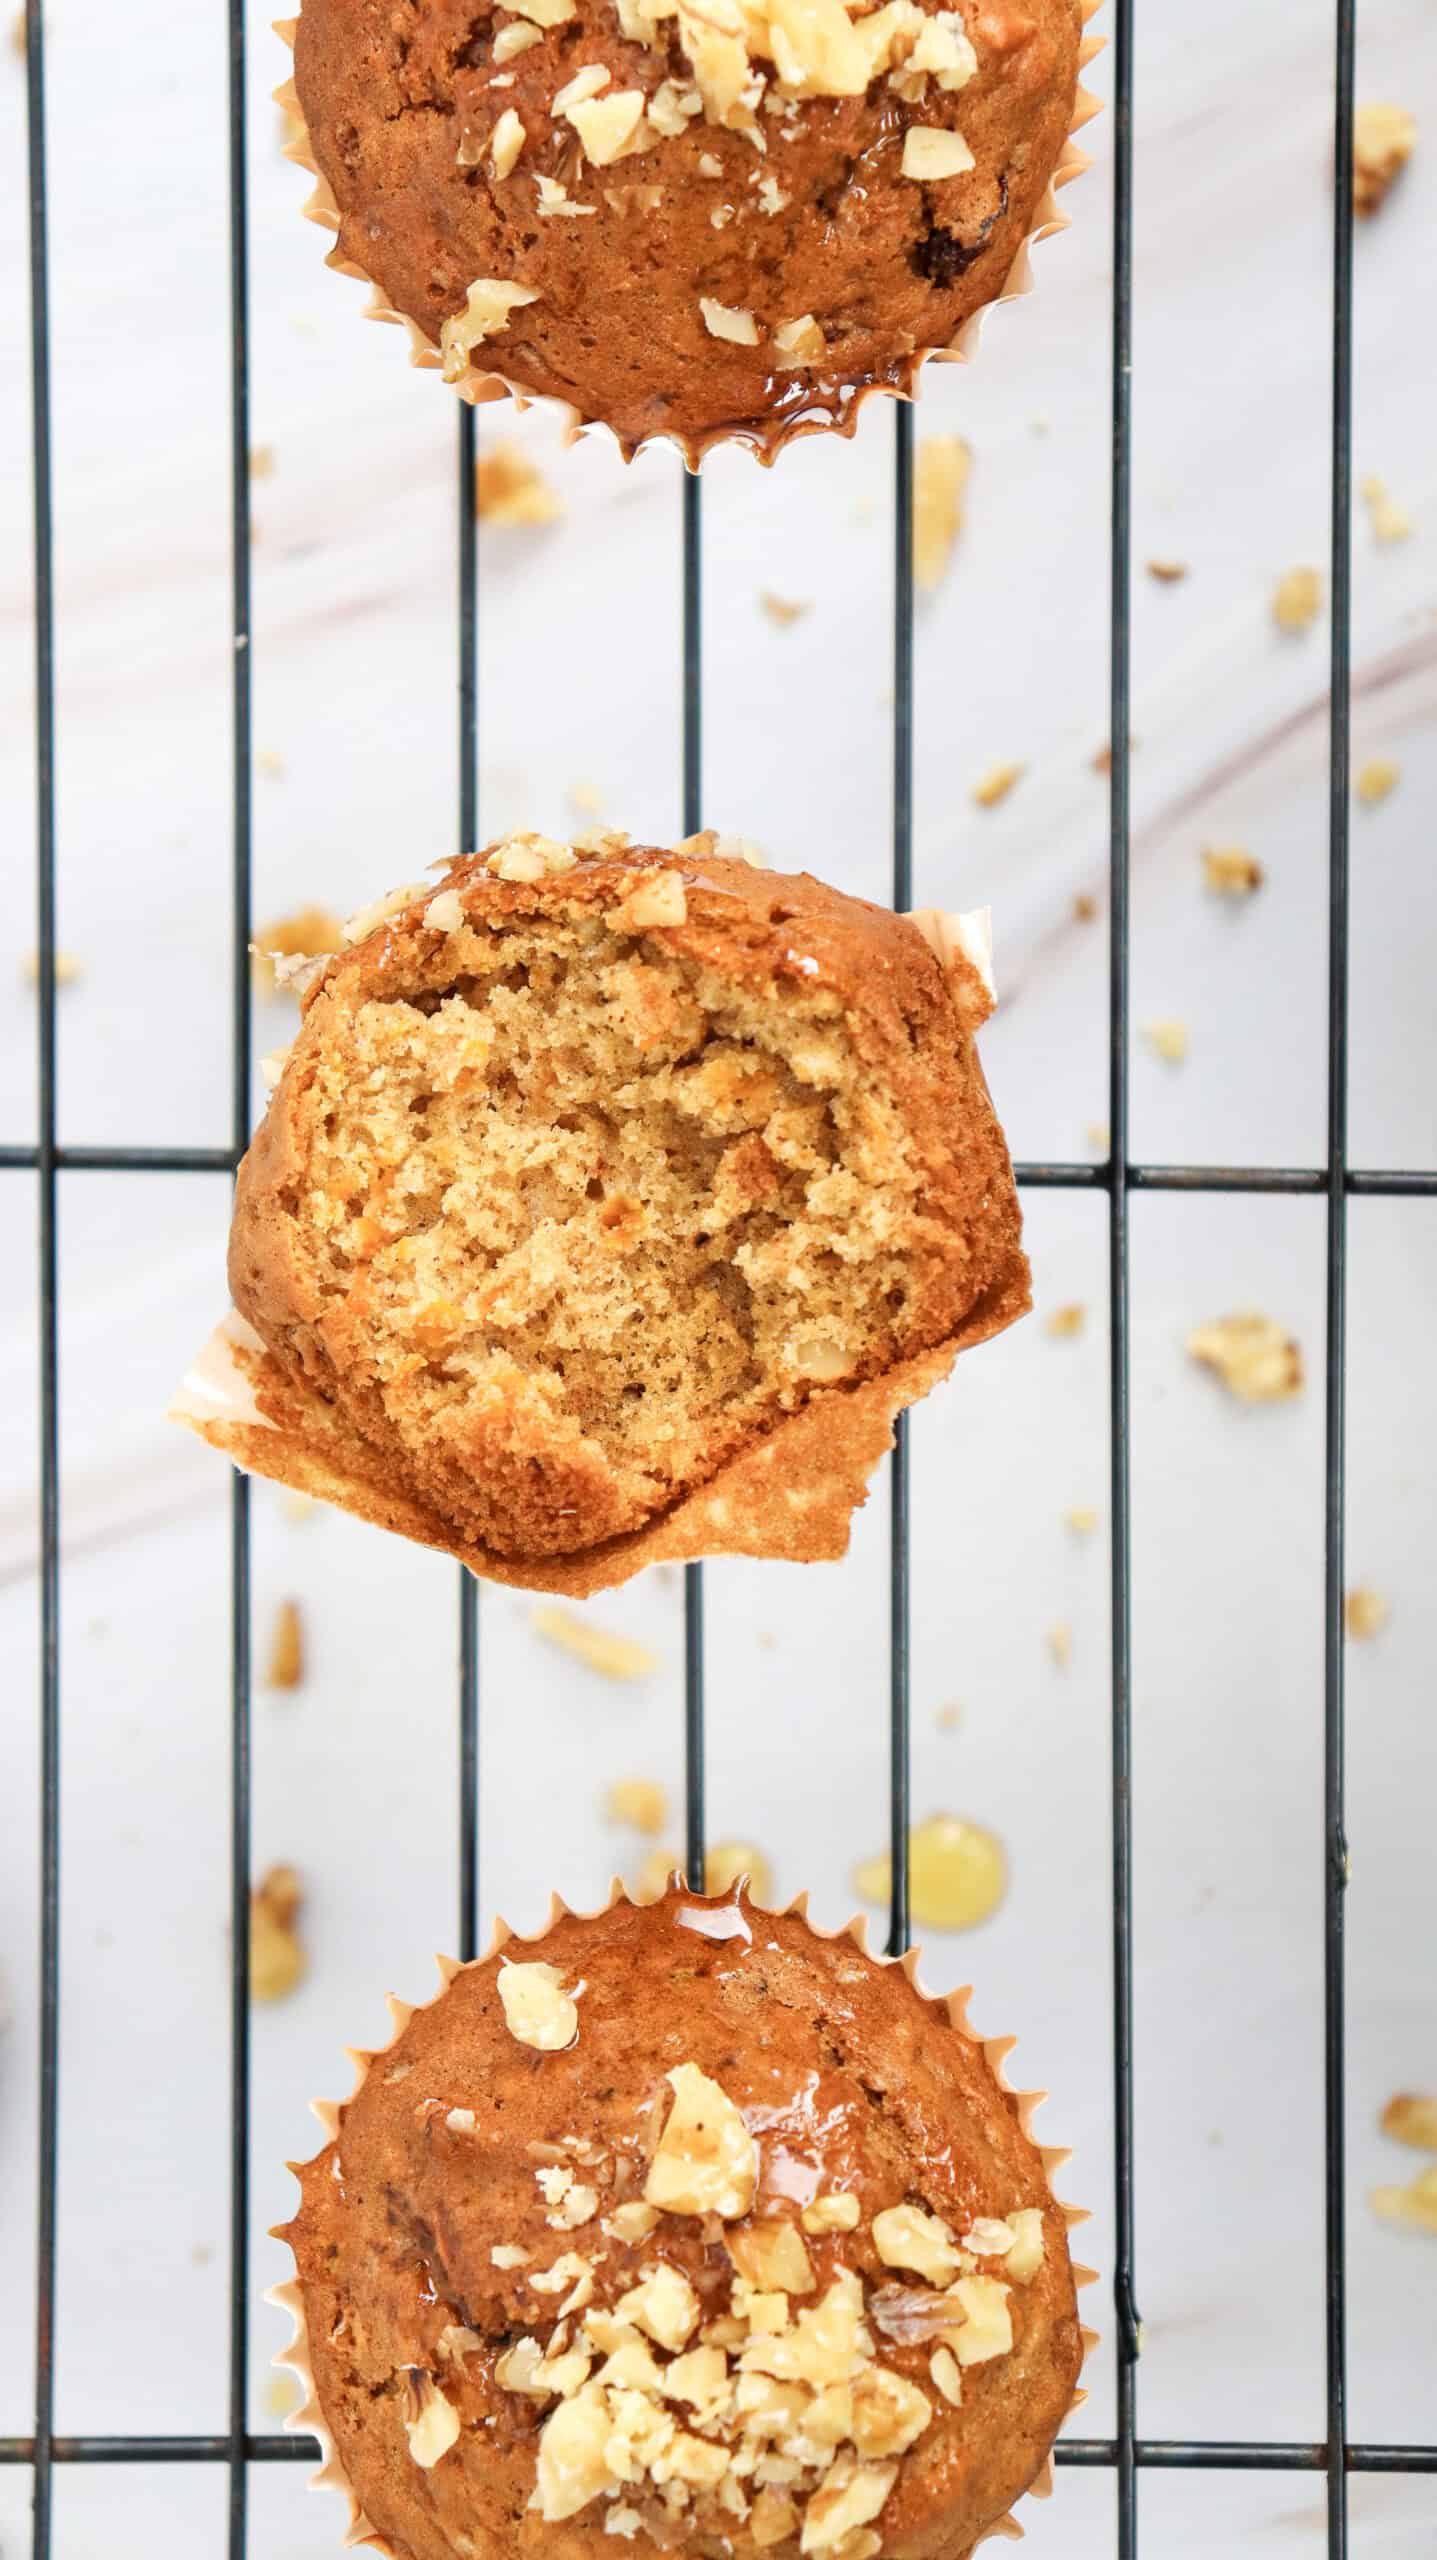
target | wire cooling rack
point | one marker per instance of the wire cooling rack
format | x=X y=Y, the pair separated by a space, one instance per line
x=1335 y=1180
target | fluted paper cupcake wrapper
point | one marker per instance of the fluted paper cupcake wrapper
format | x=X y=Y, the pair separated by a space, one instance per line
x=481 y=384
x=308 y=2417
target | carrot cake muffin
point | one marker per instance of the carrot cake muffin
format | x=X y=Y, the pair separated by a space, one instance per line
x=686 y=2227
x=606 y=1189
x=686 y=218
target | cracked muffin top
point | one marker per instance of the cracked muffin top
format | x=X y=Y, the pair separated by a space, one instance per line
x=589 y=1174
x=683 y=2226
x=687 y=218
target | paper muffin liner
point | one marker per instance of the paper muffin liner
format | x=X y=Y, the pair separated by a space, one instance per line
x=307 y=2418
x=478 y=385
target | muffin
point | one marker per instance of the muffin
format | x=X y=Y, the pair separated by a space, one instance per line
x=690 y=2227
x=696 y=219
x=611 y=1203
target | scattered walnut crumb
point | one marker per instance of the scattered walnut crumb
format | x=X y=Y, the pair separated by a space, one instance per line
x=509 y=491
x=1085 y=909
x=587 y=798
x=727 y=1860
x=781 y=610
x=285 y=1666
x=1255 y=1359
x=261 y=462
x=1098 y=1136
x=20 y=34
x=996 y=784
x=1082 y=1519
x=283 y=2392
x=940 y=482
x=1060 y=1645
x=1414 y=2207
x=1383 y=138
x=1102 y=759
x=67 y=969
x=957 y=1873
x=1390 y=523
x=1297 y=600
x=310 y=933
x=277 y=1961
x=1366 y=1612
x=1168 y=573
x=1412 y=2120
x=299 y=1507
x=617 y=1657
x=1064 y=1322
x=948 y=1719
x=269 y=762
x=640 y=1802
x=1376 y=779
x=1230 y=871
x=1168 y=1039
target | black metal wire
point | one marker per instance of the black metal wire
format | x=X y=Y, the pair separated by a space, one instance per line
x=899 y=1473
x=49 y=1342
x=692 y=783
x=468 y=548
x=1128 y=2333
x=1334 y=1832
x=242 y=718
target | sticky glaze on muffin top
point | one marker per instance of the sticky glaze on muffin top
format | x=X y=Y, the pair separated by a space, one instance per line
x=686 y=2227
x=690 y=218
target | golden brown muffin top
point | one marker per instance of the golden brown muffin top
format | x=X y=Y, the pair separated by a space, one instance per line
x=685 y=2225
x=688 y=218
x=585 y=1175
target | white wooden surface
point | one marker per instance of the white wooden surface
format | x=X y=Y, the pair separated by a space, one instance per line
x=354 y=667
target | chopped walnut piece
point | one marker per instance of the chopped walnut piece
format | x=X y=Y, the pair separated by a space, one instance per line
x=941 y=468
x=1390 y=523
x=1065 y=1322
x=510 y=492
x=946 y=2376
x=780 y=611
x=1099 y=1136
x=957 y=1873
x=571 y=2461
x=1230 y=871
x=889 y=2414
x=932 y=152
x=1025 y=2256
x=1375 y=779
x=1383 y=138
x=663 y=2303
x=555 y=200
x=831 y=2213
x=610 y=128
x=631 y=2222
x=739 y=327
x=444 y=913
x=431 y=2422
x=799 y=342
x=853 y=2493
x=1414 y=2120
x=1168 y=1038
x=617 y=1657
x=537 y=2009
x=1297 y=601
x=1366 y=1611
x=530 y=858
x=656 y=899
x=1254 y=1358
x=542 y=13
x=487 y=306
x=771 y=2255
x=367 y=920
x=1168 y=573
x=706 y=2161
x=513 y=39
x=905 y=2236
x=505 y=143
x=773 y=2518
x=987 y=2329
x=310 y=933
x=507 y=2254
x=995 y=784
x=640 y=1802
x=284 y=1668
x=1414 y=2206
x=277 y=1961
x=727 y=1860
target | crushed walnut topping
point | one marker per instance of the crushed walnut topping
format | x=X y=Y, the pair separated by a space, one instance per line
x=1255 y=1359
x=933 y=152
x=706 y=2161
x=529 y=858
x=739 y=327
x=487 y=306
x=537 y=2009
x=657 y=899
x=431 y=2422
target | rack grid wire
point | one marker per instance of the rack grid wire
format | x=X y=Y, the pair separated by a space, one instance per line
x=1126 y=2452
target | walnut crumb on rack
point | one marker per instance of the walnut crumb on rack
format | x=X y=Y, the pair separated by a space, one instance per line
x=277 y=1960
x=640 y=1802
x=782 y=611
x=1365 y=1612
x=1412 y=2208
x=1230 y=871
x=1255 y=1358
x=67 y=969
x=727 y=1860
x=1383 y=139
x=941 y=469
x=616 y=1657
x=1060 y=1645
x=284 y=1668
x=996 y=783
x=1168 y=1039
x=1413 y=2120
x=1390 y=523
x=509 y=490
x=1167 y=573
x=1297 y=600
x=1379 y=776
x=1065 y=1322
